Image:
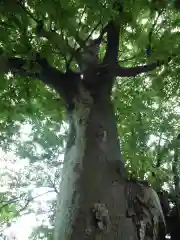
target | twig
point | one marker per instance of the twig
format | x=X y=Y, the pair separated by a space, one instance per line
x=26 y=11
x=13 y=200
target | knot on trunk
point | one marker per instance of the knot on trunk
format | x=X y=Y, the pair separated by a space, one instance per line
x=101 y=215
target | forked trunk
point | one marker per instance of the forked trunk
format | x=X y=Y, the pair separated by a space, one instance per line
x=93 y=175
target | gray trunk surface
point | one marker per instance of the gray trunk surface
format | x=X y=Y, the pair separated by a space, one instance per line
x=93 y=173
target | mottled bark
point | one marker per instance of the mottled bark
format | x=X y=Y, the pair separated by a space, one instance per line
x=93 y=173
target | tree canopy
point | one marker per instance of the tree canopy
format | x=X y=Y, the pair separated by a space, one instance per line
x=39 y=38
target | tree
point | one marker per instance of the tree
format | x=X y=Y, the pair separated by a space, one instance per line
x=55 y=42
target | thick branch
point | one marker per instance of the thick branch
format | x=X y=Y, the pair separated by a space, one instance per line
x=39 y=68
x=112 y=48
x=113 y=35
x=134 y=71
x=16 y=66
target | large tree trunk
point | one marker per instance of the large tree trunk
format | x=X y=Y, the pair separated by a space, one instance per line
x=93 y=173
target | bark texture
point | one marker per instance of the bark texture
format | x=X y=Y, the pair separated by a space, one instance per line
x=93 y=174
x=92 y=203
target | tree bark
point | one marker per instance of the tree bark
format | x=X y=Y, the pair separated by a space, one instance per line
x=93 y=173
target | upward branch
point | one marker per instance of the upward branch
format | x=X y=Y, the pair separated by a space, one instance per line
x=112 y=48
x=39 y=68
x=113 y=35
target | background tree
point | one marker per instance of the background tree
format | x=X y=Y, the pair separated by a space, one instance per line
x=50 y=41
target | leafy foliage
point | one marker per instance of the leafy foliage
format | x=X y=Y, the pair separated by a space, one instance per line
x=146 y=107
x=7 y=209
